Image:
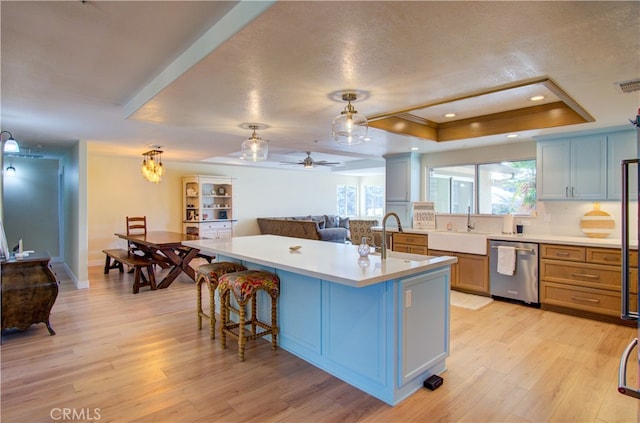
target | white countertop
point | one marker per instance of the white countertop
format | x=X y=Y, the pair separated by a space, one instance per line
x=320 y=259
x=583 y=241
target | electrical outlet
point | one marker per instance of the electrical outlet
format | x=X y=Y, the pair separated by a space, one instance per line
x=407 y=298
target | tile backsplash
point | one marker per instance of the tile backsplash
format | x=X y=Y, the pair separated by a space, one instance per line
x=552 y=218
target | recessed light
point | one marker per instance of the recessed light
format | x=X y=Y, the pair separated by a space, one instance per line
x=449 y=115
x=513 y=136
x=414 y=149
x=537 y=98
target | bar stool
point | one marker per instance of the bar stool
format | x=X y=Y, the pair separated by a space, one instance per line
x=210 y=273
x=245 y=286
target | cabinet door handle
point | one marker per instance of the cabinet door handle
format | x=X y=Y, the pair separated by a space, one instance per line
x=589 y=300
x=585 y=275
x=572 y=193
x=566 y=192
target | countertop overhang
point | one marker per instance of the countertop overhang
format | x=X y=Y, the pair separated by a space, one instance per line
x=329 y=261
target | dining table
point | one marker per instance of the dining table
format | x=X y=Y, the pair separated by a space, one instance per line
x=166 y=247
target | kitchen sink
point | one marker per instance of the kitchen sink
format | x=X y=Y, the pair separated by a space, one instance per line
x=459 y=242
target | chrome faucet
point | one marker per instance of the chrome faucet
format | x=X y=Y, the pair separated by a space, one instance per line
x=469 y=224
x=383 y=244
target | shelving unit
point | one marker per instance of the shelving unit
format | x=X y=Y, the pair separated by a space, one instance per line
x=208 y=206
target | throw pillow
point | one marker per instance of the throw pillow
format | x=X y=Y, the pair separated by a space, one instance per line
x=331 y=221
x=344 y=222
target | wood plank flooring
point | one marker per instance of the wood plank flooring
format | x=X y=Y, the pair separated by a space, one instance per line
x=119 y=357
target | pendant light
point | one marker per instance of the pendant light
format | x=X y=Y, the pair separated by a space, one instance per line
x=254 y=148
x=152 y=168
x=10 y=145
x=349 y=127
x=11 y=171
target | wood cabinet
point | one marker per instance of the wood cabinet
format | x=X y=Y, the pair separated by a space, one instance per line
x=208 y=206
x=585 y=279
x=409 y=243
x=29 y=290
x=470 y=273
x=572 y=168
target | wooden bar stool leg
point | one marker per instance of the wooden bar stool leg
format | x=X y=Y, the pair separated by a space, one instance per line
x=199 y=301
x=241 y=331
x=274 y=322
x=224 y=316
x=254 y=312
x=212 y=311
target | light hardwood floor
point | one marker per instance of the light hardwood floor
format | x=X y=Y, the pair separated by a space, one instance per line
x=119 y=357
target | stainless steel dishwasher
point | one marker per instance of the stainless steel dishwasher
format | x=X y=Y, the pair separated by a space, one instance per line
x=523 y=284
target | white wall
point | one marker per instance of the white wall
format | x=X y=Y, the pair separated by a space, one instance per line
x=117 y=189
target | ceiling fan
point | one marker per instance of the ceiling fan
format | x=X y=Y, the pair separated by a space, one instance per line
x=308 y=162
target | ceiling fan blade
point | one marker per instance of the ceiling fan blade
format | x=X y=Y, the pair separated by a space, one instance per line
x=326 y=163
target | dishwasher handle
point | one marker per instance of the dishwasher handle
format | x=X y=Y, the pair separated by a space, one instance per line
x=527 y=250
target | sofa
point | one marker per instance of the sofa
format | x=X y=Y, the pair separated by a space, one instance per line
x=330 y=228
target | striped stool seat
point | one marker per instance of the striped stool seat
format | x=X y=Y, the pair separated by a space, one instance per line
x=245 y=285
x=210 y=274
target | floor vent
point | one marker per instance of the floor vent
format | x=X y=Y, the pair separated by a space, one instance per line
x=628 y=86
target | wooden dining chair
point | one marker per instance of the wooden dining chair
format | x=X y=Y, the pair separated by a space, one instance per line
x=136 y=225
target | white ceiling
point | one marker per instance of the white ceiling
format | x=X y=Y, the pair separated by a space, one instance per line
x=185 y=75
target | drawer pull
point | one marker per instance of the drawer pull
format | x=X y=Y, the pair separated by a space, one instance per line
x=585 y=275
x=609 y=258
x=562 y=254
x=590 y=300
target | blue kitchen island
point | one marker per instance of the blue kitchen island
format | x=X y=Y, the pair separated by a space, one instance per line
x=379 y=325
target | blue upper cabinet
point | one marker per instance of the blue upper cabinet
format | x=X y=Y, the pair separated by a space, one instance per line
x=553 y=169
x=621 y=145
x=583 y=167
x=402 y=177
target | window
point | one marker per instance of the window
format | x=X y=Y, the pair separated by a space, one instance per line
x=500 y=188
x=507 y=187
x=347 y=200
x=452 y=188
x=373 y=201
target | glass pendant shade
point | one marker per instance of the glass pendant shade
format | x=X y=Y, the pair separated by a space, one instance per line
x=255 y=148
x=350 y=128
x=11 y=171
x=10 y=145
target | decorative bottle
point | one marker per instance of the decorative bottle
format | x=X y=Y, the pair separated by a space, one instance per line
x=363 y=248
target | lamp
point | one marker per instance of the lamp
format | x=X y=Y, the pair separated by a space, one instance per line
x=10 y=145
x=349 y=127
x=152 y=168
x=254 y=148
x=11 y=171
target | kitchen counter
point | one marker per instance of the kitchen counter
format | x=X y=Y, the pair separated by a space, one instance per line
x=583 y=241
x=379 y=325
x=329 y=261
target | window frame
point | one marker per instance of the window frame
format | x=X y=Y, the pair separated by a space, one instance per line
x=475 y=209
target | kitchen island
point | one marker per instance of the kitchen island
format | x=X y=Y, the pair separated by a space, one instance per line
x=379 y=325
